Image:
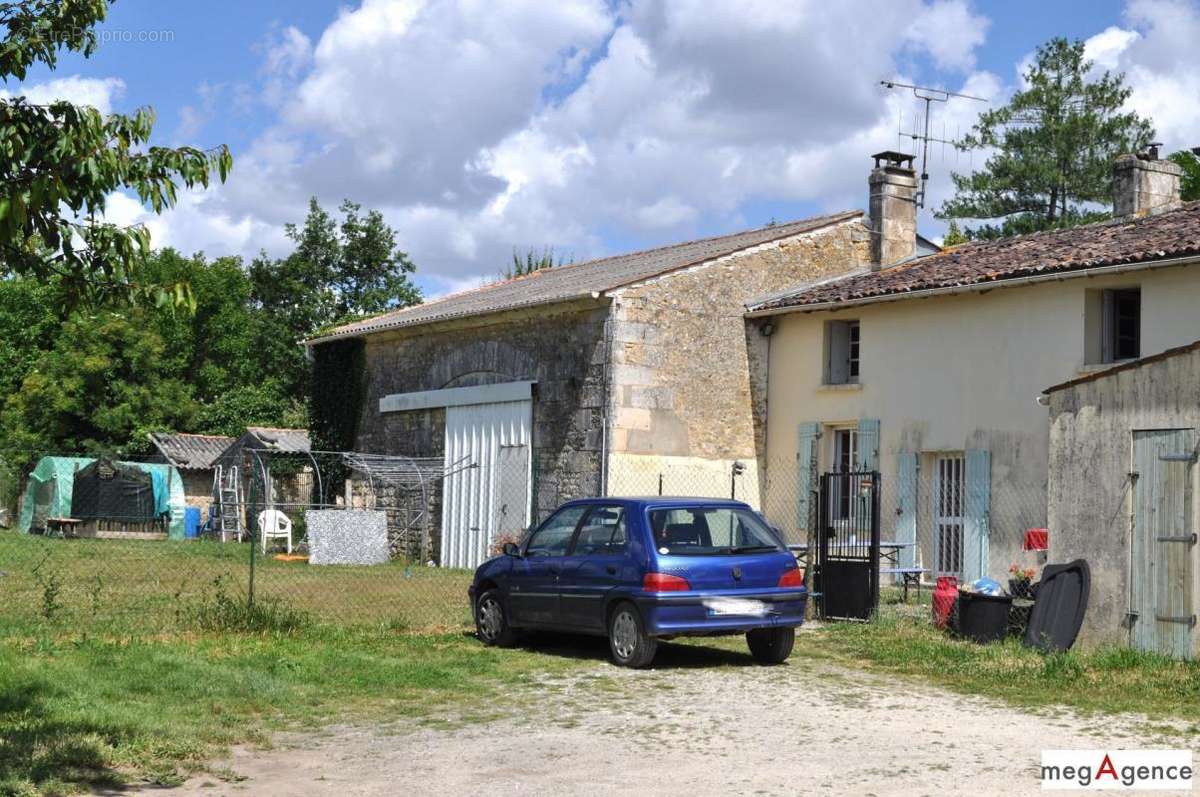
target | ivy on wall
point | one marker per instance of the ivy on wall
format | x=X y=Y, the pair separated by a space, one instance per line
x=335 y=405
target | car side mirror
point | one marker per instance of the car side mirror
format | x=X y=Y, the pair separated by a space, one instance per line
x=511 y=549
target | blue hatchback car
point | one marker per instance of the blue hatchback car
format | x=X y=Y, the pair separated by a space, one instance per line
x=638 y=570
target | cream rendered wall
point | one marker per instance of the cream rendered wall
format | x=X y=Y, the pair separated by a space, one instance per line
x=958 y=372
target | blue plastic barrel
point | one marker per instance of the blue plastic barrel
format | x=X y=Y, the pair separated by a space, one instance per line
x=191 y=521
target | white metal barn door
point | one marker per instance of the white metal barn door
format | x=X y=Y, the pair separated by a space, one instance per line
x=492 y=497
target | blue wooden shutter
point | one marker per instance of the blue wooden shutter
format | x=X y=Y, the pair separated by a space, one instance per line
x=907 y=466
x=868 y=444
x=806 y=474
x=977 y=514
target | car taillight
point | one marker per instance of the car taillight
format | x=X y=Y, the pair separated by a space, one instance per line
x=792 y=578
x=664 y=582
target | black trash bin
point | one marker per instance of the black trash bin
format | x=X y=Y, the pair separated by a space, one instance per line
x=983 y=618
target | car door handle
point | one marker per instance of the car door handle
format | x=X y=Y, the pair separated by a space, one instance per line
x=611 y=570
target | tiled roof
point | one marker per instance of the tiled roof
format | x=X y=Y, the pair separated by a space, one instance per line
x=1172 y=234
x=1126 y=366
x=289 y=440
x=190 y=451
x=578 y=280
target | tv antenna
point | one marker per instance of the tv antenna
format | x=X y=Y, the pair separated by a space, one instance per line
x=929 y=95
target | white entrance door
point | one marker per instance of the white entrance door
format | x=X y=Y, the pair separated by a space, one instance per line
x=488 y=490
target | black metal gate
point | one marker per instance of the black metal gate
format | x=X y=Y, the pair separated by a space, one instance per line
x=848 y=545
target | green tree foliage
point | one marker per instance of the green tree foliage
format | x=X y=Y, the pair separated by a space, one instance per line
x=99 y=388
x=59 y=163
x=532 y=261
x=1052 y=145
x=954 y=235
x=80 y=382
x=1189 y=184
x=338 y=271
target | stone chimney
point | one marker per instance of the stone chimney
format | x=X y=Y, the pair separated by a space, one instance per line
x=893 y=209
x=1143 y=185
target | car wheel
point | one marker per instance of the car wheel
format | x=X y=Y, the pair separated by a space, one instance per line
x=771 y=645
x=491 y=621
x=631 y=646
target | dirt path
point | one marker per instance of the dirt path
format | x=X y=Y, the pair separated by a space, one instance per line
x=687 y=728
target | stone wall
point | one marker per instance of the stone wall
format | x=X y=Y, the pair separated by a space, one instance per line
x=562 y=350
x=1090 y=491
x=683 y=385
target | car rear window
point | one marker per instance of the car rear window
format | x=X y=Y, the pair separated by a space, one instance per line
x=710 y=531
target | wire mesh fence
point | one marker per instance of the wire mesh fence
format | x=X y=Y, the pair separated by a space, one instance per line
x=394 y=545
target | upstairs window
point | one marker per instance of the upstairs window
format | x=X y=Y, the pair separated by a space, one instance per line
x=842 y=340
x=1122 y=325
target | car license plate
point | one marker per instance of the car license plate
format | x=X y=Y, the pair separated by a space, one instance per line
x=724 y=607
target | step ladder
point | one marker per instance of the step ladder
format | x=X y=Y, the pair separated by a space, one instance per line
x=227 y=489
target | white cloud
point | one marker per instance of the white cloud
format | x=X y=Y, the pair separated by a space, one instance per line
x=1159 y=56
x=100 y=93
x=950 y=32
x=476 y=127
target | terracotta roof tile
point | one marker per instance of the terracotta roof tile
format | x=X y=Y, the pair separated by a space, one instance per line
x=1120 y=241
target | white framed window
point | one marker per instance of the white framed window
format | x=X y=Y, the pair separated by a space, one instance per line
x=842 y=348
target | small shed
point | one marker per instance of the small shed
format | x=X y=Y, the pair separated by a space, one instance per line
x=195 y=457
x=1123 y=495
x=289 y=482
x=50 y=491
x=111 y=496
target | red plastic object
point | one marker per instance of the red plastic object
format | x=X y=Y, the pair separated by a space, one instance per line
x=944 y=595
x=1037 y=539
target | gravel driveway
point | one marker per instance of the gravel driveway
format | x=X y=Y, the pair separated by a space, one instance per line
x=690 y=728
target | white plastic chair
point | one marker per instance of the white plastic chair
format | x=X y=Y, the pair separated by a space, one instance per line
x=274 y=524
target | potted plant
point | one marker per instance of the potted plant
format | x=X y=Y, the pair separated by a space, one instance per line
x=1020 y=581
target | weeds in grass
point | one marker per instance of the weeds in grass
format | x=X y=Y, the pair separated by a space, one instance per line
x=51 y=587
x=222 y=612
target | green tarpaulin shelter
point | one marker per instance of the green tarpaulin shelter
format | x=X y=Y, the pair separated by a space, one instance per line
x=48 y=493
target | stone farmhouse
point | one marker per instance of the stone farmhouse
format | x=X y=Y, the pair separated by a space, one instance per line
x=931 y=368
x=588 y=378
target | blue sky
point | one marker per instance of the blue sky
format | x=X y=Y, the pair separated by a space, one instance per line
x=587 y=125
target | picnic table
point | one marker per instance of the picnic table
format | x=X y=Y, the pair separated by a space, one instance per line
x=65 y=526
x=889 y=555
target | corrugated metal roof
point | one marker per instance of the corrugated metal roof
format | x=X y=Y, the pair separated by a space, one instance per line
x=578 y=280
x=1123 y=241
x=287 y=440
x=190 y=451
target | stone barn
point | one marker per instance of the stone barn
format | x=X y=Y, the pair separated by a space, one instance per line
x=589 y=378
x=1122 y=495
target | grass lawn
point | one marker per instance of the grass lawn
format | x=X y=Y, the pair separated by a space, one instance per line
x=88 y=712
x=123 y=660
x=143 y=586
x=1109 y=680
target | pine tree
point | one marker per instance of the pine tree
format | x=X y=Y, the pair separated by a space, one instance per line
x=1052 y=146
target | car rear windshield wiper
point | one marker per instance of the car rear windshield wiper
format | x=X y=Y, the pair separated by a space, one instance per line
x=753 y=548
